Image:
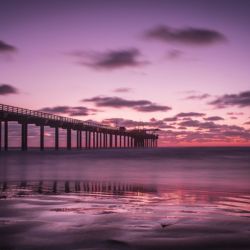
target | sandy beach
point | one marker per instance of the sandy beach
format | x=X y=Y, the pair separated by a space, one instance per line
x=170 y=199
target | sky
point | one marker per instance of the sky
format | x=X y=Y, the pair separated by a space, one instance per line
x=179 y=66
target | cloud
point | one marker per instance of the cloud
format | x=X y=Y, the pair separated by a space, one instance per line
x=233 y=118
x=235 y=113
x=117 y=102
x=206 y=132
x=122 y=90
x=183 y=115
x=152 y=108
x=120 y=122
x=189 y=35
x=6 y=89
x=71 y=111
x=197 y=97
x=174 y=54
x=225 y=137
x=247 y=123
x=190 y=123
x=190 y=114
x=209 y=125
x=213 y=118
x=241 y=100
x=182 y=128
x=4 y=47
x=112 y=59
x=170 y=119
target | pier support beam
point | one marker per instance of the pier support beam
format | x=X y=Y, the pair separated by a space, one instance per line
x=101 y=140
x=115 y=140
x=94 y=139
x=97 y=140
x=42 y=137
x=78 y=139
x=6 y=135
x=68 y=138
x=86 y=139
x=104 y=140
x=110 y=140
x=89 y=144
x=0 y=135
x=24 y=135
x=56 y=138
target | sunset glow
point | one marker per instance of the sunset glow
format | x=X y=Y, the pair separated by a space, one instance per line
x=180 y=66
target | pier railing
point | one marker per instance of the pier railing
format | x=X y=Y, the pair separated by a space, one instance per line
x=40 y=114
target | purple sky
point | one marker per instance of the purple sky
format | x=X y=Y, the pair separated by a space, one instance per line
x=127 y=62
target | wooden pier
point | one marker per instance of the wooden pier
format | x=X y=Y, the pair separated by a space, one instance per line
x=96 y=135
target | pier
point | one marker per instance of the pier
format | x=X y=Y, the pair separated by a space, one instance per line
x=89 y=135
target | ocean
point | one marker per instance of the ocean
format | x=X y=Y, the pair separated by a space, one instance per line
x=161 y=198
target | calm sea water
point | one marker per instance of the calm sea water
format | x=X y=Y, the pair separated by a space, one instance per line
x=166 y=198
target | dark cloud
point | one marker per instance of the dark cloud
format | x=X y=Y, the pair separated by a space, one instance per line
x=6 y=89
x=71 y=111
x=190 y=114
x=247 y=123
x=183 y=115
x=170 y=119
x=122 y=90
x=182 y=128
x=117 y=102
x=197 y=97
x=209 y=125
x=233 y=117
x=4 y=47
x=206 y=132
x=189 y=35
x=174 y=54
x=241 y=100
x=120 y=122
x=190 y=123
x=112 y=59
x=213 y=118
x=235 y=113
x=227 y=136
x=152 y=108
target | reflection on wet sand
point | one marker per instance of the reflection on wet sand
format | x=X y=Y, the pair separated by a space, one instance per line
x=111 y=215
x=237 y=203
x=16 y=188
x=166 y=201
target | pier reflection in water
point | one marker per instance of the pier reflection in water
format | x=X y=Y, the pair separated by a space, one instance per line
x=169 y=199
x=15 y=188
x=110 y=215
x=168 y=196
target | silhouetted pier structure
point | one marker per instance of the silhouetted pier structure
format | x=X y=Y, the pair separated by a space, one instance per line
x=96 y=135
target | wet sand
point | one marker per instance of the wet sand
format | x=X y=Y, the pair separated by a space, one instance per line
x=77 y=200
